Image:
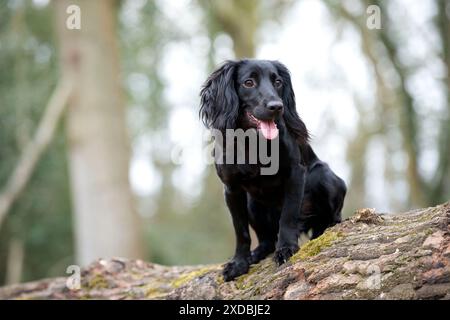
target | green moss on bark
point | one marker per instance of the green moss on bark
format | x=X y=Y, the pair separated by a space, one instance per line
x=314 y=247
x=185 y=278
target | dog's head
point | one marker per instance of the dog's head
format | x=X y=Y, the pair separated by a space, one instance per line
x=251 y=93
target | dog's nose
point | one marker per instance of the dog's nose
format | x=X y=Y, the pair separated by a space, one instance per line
x=275 y=106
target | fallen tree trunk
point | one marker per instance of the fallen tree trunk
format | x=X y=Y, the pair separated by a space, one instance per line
x=370 y=256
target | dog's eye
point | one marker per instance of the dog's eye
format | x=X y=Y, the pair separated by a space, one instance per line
x=249 y=83
x=278 y=83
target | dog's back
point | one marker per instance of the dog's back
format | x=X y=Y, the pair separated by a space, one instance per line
x=324 y=194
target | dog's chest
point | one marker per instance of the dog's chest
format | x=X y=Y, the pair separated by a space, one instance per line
x=267 y=189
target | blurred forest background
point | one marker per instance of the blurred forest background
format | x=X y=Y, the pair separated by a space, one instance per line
x=122 y=174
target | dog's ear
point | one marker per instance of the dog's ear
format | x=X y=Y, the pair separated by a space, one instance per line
x=293 y=122
x=219 y=102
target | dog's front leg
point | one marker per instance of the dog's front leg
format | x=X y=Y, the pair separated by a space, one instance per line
x=236 y=200
x=289 y=228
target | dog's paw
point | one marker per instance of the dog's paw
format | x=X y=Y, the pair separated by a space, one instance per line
x=235 y=268
x=283 y=254
x=262 y=251
x=256 y=257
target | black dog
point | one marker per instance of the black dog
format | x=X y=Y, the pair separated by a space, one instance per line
x=304 y=194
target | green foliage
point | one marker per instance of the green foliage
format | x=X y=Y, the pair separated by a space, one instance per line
x=40 y=219
x=197 y=231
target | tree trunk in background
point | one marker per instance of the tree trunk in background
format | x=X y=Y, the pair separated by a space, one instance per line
x=106 y=223
x=14 y=265
x=239 y=19
x=441 y=181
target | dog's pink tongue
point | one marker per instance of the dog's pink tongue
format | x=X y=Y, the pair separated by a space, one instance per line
x=269 y=129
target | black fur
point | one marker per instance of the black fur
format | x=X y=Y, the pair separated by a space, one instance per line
x=303 y=195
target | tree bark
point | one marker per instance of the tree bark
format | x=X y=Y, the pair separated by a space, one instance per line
x=369 y=256
x=106 y=223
